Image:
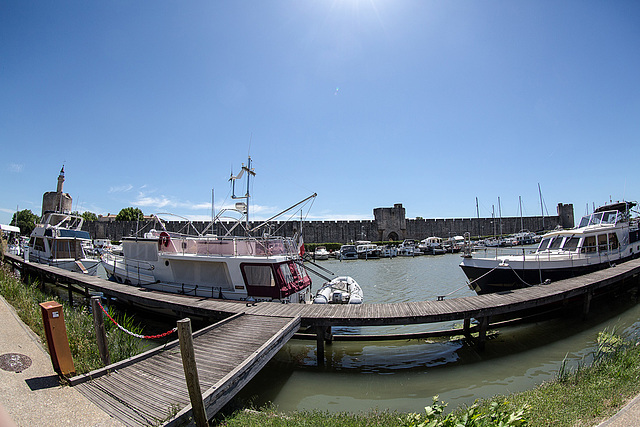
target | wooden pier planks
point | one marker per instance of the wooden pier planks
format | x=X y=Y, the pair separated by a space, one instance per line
x=151 y=389
x=355 y=315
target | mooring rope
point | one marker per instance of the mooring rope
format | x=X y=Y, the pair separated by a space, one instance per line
x=146 y=337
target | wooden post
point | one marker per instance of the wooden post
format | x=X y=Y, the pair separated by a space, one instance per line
x=466 y=328
x=191 y=372
x=482 y=336
x=320 y=344
x=587 y=303
x=101 y=333
x=70 y=290
x=328 y=335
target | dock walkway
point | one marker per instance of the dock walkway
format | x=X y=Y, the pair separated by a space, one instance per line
x=150 y=388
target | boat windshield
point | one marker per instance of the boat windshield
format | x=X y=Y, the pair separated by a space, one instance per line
x=608 y=217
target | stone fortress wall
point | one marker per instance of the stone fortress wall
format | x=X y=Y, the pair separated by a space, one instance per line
x=389 y=224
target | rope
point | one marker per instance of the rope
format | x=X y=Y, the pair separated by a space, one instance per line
x=146 y=337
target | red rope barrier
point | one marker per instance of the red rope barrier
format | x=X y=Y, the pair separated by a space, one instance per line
x=147 y=337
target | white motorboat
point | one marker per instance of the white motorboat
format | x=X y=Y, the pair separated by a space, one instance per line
x=341 y=290
x=408 y=248
x=432 y=246
x=388 y=251
x=58 y=240
x=321 y=253
x=347 y=252
x=602 y=239
x=367 y=250
x=253 y=267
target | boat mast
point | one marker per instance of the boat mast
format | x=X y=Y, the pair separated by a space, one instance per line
x=233 y=179
x=521 y=222
x=478 y=216
x=500 y=213
x=541 y=205
x=493 y=217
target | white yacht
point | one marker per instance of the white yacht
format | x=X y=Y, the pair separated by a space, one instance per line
x=253 y=267
x=347 y=252
x=321 y=253
x=58 y=240
x=602 y=239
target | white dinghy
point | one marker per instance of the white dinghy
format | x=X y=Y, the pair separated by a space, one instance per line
x=341 y=290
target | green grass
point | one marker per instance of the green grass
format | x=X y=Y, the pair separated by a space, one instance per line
x=25 y=297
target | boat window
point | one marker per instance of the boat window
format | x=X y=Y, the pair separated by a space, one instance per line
x=589 y=244
x=613 y=241
x=584 y=221
x=38 y=244
x=544 y=244
x=609 y=217
x=596 y=218
x=571 y=243
x=259 y=275
x=555 y=243
x=602 y=242
x=64 y=249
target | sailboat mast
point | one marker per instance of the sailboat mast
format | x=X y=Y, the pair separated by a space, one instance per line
x=541 y=205
x=500 y=213
x=521 y=222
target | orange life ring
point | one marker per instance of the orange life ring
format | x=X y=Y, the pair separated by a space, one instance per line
x=164 y=240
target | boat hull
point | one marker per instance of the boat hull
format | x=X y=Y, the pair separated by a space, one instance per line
x=490 y=276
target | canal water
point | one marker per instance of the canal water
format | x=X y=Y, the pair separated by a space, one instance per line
x=403 y=375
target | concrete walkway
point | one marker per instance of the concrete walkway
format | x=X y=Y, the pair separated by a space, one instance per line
x=628 y=416
x=34 y=397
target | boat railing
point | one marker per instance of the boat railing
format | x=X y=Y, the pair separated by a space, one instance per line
x=229 y=246
x=594 y=254
x=132 y=267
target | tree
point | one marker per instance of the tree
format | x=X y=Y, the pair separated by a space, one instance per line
x=26 y=220
x=130 y=214
x=89 y=216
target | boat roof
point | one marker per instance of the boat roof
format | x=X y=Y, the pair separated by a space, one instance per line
x=618 y=206
x=10 y=228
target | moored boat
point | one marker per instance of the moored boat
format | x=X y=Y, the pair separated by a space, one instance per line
x=347 y=252
x=341 y=290
x=253 y=267
x=367 y=250
x=602 y=239
x=58 y=240
x=321 y=253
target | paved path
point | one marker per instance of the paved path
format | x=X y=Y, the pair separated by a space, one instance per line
x=34 y=396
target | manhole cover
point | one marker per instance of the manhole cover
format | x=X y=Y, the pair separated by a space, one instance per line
x=14 y=362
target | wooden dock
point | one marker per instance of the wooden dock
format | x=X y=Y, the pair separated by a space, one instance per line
x=145 y=389
x=150 y=388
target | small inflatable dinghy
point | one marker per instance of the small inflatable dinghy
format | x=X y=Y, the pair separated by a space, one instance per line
x=341 y=290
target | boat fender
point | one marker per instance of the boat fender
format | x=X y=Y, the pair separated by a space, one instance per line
x=355 y=299
x=320 y=299
x=164 y=240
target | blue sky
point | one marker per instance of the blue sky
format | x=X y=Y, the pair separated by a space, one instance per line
x=368 y=103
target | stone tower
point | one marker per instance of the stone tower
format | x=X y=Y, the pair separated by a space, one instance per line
x=565 y=213
x=57 y=201
x=391 y=222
